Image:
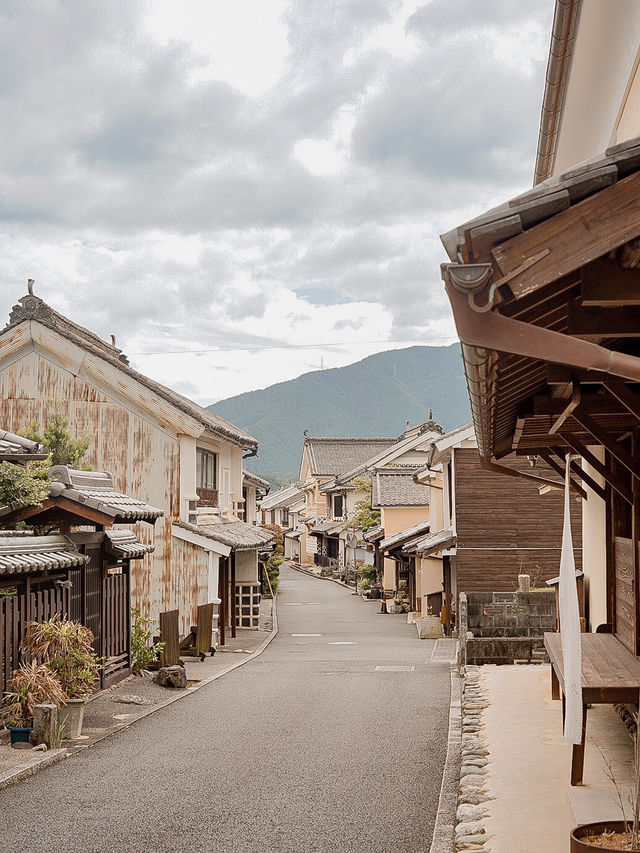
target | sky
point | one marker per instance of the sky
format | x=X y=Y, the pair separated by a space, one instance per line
x=245 y=190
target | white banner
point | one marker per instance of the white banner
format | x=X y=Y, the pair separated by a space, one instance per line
x=570 y=628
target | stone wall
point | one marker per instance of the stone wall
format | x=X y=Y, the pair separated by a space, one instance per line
x=503 y=627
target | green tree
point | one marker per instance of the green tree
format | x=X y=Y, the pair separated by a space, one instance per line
x=363 y=516
x=63 y=449
x=23 y=485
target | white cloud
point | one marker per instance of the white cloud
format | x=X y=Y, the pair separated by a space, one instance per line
x=261 y=181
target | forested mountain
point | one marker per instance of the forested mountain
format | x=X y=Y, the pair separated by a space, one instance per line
x=373 y=397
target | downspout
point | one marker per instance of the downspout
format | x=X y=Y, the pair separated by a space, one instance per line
x=560 y=53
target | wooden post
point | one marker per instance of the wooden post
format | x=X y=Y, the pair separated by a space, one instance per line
x=222 y=588
x=233 y=594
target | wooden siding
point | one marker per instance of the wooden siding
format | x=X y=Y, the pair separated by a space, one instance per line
x=142 y=454
x=626 y=628
x=503 y=525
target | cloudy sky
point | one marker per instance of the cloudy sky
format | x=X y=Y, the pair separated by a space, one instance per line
x=245 y=190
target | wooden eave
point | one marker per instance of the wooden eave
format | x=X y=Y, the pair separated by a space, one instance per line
x=574 y=276
x=56 y=509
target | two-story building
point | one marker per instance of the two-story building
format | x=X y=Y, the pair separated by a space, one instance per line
x=156 y=444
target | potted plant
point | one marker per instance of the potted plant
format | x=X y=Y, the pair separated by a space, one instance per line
x=66 y=648
x=31 y=684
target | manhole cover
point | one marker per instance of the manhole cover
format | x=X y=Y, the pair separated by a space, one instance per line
x=394 y=668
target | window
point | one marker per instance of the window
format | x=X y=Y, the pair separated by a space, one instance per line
x=285 y=517
x=338 y=503
x=207 y=478
x=206 y=470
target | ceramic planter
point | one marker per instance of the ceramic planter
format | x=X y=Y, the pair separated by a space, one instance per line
x=19 y=734
x=578 y=845
x=71 y=716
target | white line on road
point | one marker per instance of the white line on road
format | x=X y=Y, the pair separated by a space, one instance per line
x=306 y=635
x=342 y=644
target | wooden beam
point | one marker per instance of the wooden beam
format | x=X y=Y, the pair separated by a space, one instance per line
x=574 y=237
x=599 y=323
x=551 y=462
x=559 y=374
x=602 y=437
x=513 y=472
x=606 y=283
x=582 y=475
x=573 y=403
x=624 y=395
x=232 y=584
x=608 y=476
x=595 y=404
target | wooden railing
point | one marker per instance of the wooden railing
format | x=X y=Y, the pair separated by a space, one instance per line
x=207 y=497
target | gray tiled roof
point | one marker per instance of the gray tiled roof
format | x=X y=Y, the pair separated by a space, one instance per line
x=95 y=489
x=238 y=535
x=404 y=536
x=17 y=445
x=426 y=545
x=253 y=478
x=333 y=456
x=549 y=197
x=124 y=543
x=284 y=497
x=21 y=554
x=397 y=488
x=32 y=307
x=374 y=533
x=327 y=528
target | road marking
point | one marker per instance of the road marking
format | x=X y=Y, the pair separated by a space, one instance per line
x=394 y=668
x=342 y=644
x=306 y=635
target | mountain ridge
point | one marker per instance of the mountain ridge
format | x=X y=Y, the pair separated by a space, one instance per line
x=372 y=397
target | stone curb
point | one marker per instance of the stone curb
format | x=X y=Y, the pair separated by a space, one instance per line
x=444 y=828
x=53 y=756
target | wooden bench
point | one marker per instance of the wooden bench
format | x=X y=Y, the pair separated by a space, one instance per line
x=610 y=674
x=198 y=643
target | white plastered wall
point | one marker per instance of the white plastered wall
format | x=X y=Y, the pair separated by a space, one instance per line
x=602 y=66
x=246 y=567
x=594 y=549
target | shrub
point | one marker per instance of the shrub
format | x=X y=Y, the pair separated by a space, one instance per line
x=143 y=650
x=66 y=648
x=31 y=684
x=23 y=486
x=272 y=568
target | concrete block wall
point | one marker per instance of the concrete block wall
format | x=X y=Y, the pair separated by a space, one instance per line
x=511 y=614
x=502 y=627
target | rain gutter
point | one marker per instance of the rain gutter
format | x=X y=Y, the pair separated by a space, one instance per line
x=560 y=53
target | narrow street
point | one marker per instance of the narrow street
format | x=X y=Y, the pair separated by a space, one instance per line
x=307 y=748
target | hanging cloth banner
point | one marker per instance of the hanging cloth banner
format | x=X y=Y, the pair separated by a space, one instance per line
x=570 y=628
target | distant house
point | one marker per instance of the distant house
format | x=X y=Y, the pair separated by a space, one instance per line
x=282 y=508
x=157 y=445
x=487 y=524
x=254 y=489
x=404 y=454
x=324 y=460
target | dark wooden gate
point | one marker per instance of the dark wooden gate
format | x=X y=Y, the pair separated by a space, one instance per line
x=101 y=601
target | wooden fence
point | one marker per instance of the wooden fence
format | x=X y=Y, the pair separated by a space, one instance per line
x=15 y=612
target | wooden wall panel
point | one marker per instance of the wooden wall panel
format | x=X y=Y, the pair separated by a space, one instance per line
x=503 y=525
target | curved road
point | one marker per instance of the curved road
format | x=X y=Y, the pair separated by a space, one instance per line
x=306 y=748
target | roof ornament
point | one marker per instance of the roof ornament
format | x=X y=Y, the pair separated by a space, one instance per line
x=113 y=340
x=31 y=307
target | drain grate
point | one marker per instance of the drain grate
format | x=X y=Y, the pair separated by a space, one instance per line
x=394 y=668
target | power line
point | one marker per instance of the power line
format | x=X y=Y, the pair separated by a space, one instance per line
x=296 y=346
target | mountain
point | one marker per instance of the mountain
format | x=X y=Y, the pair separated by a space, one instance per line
x=373 y=397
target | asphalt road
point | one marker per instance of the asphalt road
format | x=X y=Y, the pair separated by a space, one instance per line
x=306 y=748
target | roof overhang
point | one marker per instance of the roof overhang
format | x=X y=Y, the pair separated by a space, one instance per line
x=545 y=293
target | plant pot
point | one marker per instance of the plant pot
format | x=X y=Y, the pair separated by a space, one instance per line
x=578 y=845
x=71 y=715
x=19 y=734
